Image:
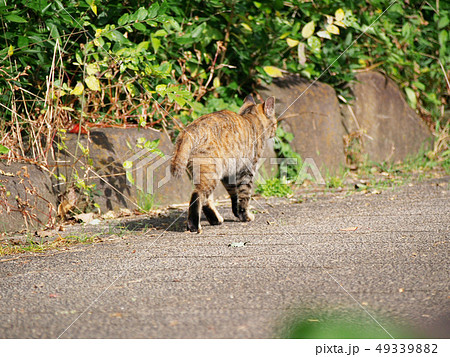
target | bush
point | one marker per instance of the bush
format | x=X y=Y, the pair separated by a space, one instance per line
x=126 y=63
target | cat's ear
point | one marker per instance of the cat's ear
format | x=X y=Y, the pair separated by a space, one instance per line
x=248 y=102
x=269 y=107
x=250 y=99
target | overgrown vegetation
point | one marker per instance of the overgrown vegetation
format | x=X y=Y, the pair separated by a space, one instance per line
x=127 y=63
x=66 y=67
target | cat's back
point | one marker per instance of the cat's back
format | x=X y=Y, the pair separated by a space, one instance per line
x=216 y=123
x=219 y=134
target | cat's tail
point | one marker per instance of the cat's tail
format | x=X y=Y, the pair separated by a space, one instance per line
x=180 y=158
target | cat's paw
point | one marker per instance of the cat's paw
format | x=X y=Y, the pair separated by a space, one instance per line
x=219 y=219
x=215 y=220
x=250 y=217
x=194 y=228
x=246 y=216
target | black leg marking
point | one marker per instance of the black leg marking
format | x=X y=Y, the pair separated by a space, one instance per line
x=211 y=216
x=194 y=213
x=232 y=191
x=234 y=205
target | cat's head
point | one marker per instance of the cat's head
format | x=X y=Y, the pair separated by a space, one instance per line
x=264 y=111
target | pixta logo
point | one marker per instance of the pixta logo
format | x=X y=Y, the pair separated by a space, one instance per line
x=141 y=168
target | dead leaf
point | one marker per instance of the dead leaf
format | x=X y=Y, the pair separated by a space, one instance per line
x=6 y=173
x=109 y=215
x=42 y=234
x=301 y=53
x=349 y=229
x=125 y=212
x=63 y=208
x=237 y=244
x=85 y=217
x=69 y=202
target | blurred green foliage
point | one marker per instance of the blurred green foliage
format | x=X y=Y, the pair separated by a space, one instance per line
x=164 y=63
x=344 y=324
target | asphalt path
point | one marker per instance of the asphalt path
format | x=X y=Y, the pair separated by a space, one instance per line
x=381 y=257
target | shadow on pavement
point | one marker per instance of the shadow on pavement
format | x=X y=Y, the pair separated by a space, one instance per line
x=175 y=221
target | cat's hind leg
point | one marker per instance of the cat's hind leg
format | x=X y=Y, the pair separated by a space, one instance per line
x=244 y=193
x=201 y=199
x=212 y=215
x=232 y=191
x=193 y=223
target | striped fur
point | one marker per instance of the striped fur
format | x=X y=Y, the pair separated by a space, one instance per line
x=224 y=146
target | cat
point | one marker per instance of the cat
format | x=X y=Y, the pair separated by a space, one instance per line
x=224 y=146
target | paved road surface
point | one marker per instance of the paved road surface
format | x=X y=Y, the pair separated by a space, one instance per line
x=384 y=254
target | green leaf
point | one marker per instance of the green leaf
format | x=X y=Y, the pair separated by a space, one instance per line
x=419 y=85
x=273 y=71
x=143 y=46
x=139 y=26
x=246 y=27
x=153 y=10
x=314 y=43
x=15 y=18
x=411 y=96
x=308 y=29
x=443 y=37
x=160 y=33
x=141 y=14
x=197 y=31
x=339 y=15
x=78 y=58
x=92 y=68
x=160 y=88
x=94 y=8
x=443 y=22
x=216 y=82
x=406 y=30
x=324 y=34
x=156 y=43
x=291 y=42
x=117 y=36
x=333 y=29
x=22 y=42
x=93 y=83
x=3 y=150
x=131 y=88
x=124 y=19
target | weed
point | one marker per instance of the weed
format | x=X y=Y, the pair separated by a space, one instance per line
x=146 y=201
x=334 y=182
x=33 y=246
x=284 y=149
x=274 y=187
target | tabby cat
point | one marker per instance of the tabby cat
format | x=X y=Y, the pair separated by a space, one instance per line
x=224 y=146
